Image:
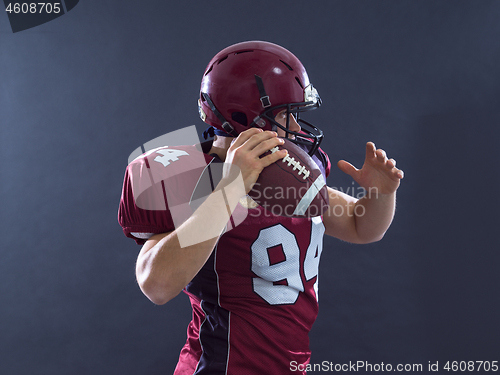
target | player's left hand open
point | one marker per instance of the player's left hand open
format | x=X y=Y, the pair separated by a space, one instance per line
x=377 y=171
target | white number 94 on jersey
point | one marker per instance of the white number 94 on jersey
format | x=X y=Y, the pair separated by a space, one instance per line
x=288 y=271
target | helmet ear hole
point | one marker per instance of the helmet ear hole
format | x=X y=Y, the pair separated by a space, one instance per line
x=240 y=118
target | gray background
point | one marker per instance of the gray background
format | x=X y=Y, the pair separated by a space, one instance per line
x=79 y=94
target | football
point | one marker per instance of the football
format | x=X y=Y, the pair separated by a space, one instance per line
x=293 y=186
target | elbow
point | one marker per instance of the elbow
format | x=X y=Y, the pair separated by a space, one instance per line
x=366 y=238
x=158 y=295
x=156 y=292
x=375 y=239
x=371 y=239
x=157 y=299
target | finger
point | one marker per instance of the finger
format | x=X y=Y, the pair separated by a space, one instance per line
x=370 y=150
x=267 y=145
x=391 y=163
x=400 y=174
x=347 y=168
x=273 y=157
x=381 y=155
x=245 y=136
x=257 y=139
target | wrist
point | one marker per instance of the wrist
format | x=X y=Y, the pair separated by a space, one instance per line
x=376 y=193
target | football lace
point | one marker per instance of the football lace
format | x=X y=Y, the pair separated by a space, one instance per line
x=296 y=164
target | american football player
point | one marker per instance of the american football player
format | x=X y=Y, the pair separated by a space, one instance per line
x=253 y=289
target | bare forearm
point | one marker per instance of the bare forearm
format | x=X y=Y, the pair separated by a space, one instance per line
x=165 y=269
x=168 y=262
x=373 y=215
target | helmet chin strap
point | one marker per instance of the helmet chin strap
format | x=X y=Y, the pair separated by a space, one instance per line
x=264 y=98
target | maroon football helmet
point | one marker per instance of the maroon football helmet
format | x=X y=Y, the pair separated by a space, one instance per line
x=247 y=84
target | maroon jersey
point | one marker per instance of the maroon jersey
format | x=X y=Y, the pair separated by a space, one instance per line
x=255 y=299
x=157 y=189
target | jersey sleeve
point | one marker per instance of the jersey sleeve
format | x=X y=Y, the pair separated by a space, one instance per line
x=156 y=184
x=134 y=219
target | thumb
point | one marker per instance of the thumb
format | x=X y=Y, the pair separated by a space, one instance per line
x=347 y=168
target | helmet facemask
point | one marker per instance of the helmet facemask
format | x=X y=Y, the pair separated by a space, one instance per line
x=310 y=136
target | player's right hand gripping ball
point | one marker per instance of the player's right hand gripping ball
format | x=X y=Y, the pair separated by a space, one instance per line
x=293 y=186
